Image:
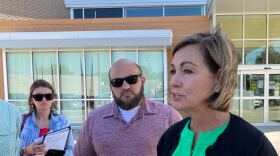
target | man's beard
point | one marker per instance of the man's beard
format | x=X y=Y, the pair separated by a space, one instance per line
x=134 y=102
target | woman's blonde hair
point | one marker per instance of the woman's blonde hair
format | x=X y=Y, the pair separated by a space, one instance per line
x=220 y=56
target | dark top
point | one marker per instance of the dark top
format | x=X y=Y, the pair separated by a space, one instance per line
x=239 y=139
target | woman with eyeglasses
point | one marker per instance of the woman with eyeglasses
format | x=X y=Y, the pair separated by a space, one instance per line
x=41 y=119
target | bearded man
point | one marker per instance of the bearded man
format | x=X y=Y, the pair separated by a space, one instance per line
x=132 y=124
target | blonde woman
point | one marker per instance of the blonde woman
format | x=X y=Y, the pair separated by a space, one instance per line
x=203 y=79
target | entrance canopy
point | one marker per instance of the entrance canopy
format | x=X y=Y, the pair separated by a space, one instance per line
x=161 y=37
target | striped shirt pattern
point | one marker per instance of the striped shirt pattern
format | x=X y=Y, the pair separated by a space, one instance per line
x=10 y=121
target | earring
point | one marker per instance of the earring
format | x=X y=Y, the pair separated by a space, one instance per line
x=32 y=107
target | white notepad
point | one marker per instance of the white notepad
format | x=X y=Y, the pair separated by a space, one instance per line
x=57 y=139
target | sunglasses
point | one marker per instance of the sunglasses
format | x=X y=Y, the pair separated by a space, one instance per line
x=118 y=82
x=39 y=97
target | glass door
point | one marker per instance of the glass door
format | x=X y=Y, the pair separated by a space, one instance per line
x=273 y=97
x=259 y=96
x=253 y=96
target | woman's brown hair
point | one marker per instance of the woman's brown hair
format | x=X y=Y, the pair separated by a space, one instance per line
x=220 y=56
x=37 y=84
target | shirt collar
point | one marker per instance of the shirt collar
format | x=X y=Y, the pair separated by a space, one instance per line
x=53 y=119
x=146 y=107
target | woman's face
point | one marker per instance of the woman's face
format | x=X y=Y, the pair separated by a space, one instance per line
x=45 y=103
x=191 y=81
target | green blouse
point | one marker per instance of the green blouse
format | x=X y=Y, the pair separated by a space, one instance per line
x=205 y=139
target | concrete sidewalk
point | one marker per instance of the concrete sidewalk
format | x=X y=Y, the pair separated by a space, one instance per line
x=273 y=134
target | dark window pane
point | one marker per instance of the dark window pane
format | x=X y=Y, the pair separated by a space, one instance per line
x=78 y=13
x=109 y=13
x=183 y=11
x=89 y=13
x=144 y=12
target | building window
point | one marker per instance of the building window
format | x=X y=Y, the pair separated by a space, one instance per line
x=183 y=11
x=128 y=54
x=274 y=26
x=232 y=25
x=255 y=52
x=152 y=64
x=257 y=43
x=71 y=74
x=274 y=52
x=235 y=108
x=89 y=13
x=78 y=13
x=144 y=12
x=19 y=74
x=255 y=27
x=79 y=76
x=98 y=13
x=97 y=67
x=159 y=11
x=109 y=13
x=45 y=66
x=238 y=46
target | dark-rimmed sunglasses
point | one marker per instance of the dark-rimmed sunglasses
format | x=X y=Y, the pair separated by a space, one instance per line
x=118 y=82
x=39 y=97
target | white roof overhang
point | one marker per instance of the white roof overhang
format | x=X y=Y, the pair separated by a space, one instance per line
x=162 y=37
x=128 y=3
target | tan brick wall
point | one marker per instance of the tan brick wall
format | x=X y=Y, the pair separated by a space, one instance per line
x=181 y=27
x=33 y=9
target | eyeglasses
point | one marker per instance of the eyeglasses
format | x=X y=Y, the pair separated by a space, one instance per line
x=39 y=97
x=132 y=79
